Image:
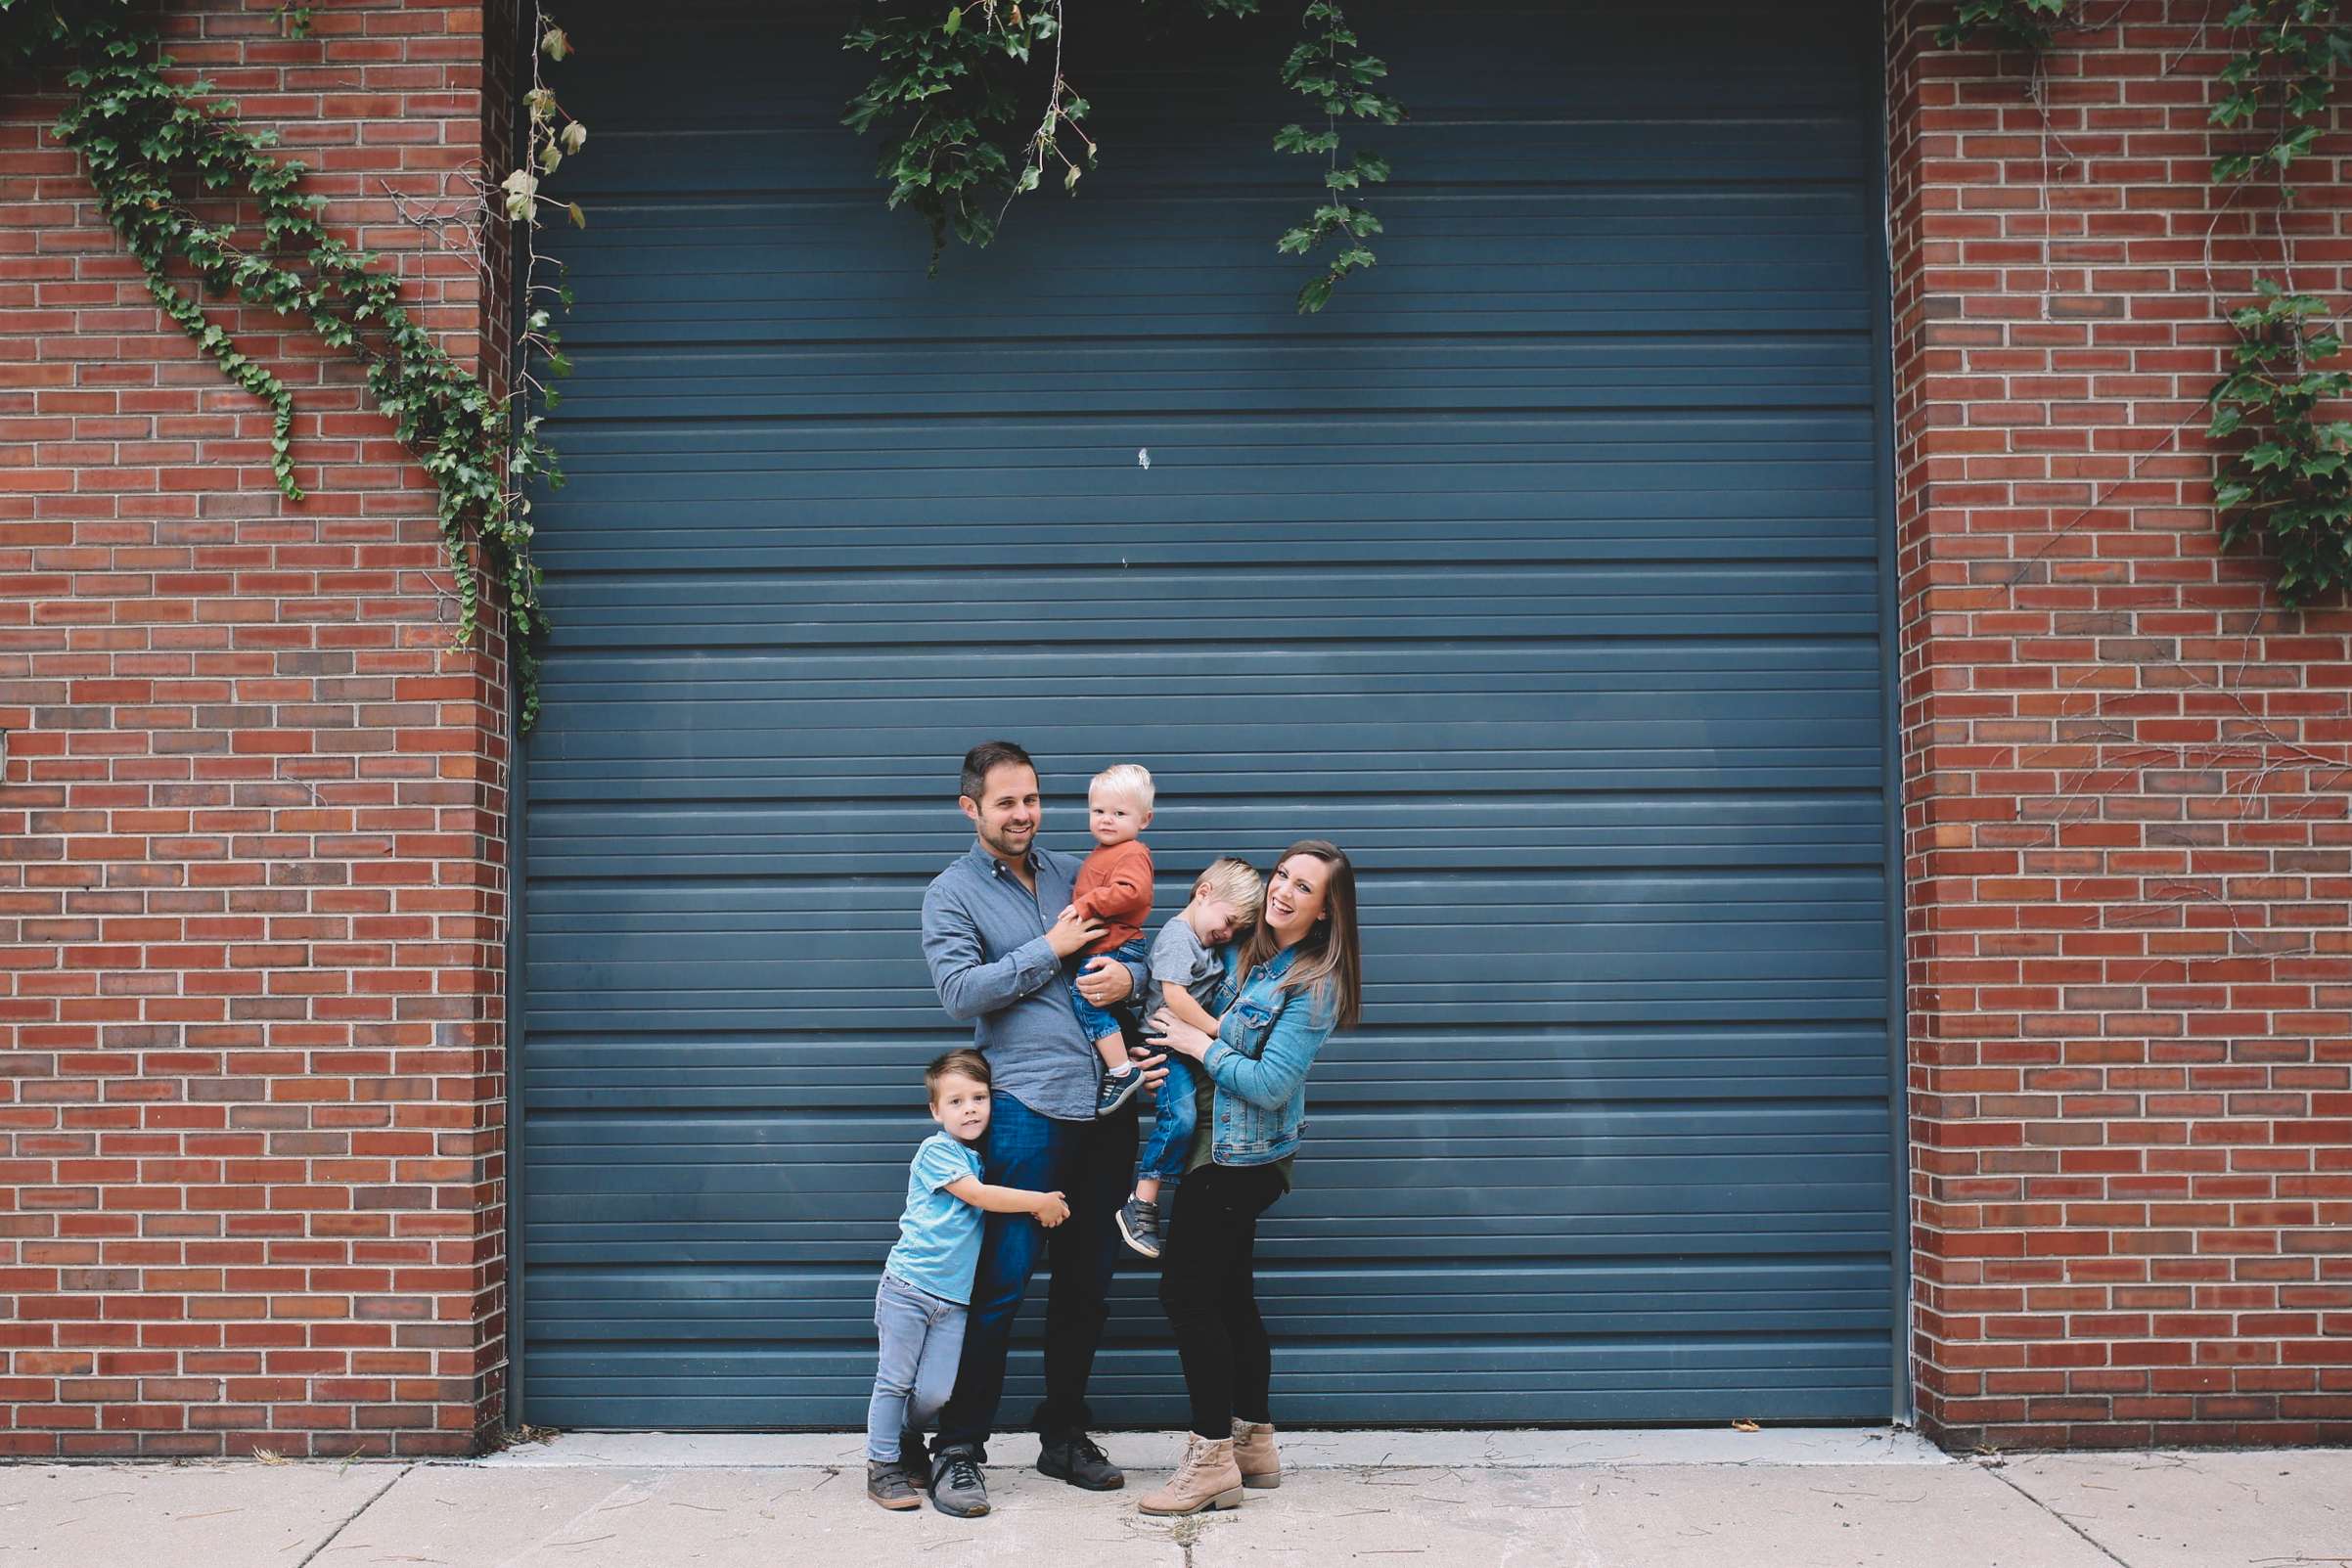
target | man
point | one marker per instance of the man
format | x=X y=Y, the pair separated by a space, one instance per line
x=995 y=935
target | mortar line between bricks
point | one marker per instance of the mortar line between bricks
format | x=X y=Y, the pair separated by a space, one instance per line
x=2096 y=1545
x=350 y=1518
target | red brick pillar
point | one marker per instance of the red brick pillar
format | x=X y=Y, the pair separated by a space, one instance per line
x=251 y=1105
x=2125 y=771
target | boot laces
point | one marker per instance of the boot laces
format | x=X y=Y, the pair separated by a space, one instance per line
x=960 y=1473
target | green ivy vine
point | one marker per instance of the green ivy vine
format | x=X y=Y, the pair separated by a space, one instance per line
x=945 y=97
x=2286 y=482
x=152 y=146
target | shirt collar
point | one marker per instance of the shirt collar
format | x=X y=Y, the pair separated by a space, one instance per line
x=995 y=867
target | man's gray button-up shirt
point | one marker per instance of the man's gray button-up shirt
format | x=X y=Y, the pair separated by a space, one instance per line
x=983 y=936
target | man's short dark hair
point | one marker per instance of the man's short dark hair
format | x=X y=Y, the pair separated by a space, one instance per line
x=984 y=759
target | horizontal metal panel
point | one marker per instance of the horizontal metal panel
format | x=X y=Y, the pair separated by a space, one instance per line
x=1542 y=572
x=573 y=840
x=907 y=381
x=1374 y=1066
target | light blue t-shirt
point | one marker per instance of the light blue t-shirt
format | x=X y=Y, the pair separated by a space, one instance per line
x=939 y=1235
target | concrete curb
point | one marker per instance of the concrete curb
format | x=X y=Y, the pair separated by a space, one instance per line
x=1302 y=1451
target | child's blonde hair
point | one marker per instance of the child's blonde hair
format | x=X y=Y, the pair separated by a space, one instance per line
x=1238 y=884
x=1129 y=781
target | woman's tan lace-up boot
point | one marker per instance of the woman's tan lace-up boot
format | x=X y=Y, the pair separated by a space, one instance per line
x=1206 y=1479
x=1253 y=1453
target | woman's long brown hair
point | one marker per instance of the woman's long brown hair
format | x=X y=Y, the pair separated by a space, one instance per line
x=1329 y=959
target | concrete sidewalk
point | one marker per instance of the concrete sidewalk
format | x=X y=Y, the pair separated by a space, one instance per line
x=1462 y=1499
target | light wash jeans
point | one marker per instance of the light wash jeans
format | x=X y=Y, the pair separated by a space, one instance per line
x=921 y=1340
x=1175 y=1110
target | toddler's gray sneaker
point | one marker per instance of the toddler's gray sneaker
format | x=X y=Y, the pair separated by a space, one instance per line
x=1118 y=1088
x=1139 y=1226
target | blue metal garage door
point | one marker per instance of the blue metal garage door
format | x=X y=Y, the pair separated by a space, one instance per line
x=1543 y=571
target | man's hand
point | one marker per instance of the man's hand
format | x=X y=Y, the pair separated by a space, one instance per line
x=1105 y=980
x=1051 y=1210
x=1153 y=1064
x=1073 y=931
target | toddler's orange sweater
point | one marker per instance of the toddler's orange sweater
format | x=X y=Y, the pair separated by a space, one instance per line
x=1115 y=886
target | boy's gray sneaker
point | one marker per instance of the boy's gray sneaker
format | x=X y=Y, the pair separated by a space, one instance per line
x=956 y=1485
x=888 y=1484
x=1117 y=1088
x=1139 y=1226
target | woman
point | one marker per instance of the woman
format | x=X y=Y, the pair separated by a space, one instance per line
x=1298 y=978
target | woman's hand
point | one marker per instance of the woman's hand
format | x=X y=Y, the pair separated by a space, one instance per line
x=1174 y=1034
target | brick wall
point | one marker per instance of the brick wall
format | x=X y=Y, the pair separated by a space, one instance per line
x=2126 y=778
x=250 y=1104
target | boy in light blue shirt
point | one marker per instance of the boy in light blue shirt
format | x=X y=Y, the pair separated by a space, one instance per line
x=927 y=1283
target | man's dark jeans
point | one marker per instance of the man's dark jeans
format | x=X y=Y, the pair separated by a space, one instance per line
x=1090 y=1164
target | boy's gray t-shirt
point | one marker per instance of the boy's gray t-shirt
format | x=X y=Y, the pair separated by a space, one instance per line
x=1178 y=957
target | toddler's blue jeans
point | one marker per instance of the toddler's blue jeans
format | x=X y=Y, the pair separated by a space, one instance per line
x=1171 y=1139
x=1093 y=1020
x=922 y=1342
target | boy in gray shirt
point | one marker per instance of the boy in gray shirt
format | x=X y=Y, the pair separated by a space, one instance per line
x=1226 y=901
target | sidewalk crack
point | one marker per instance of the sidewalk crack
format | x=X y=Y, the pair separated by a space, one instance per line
x=351 y=1517
x=2093 y=1541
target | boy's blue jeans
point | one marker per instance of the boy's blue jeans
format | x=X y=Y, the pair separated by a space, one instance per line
x=1171 y=1139
x=921 y=1343
x=1093 y=1020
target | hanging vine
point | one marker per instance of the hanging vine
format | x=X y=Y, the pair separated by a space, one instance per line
x=152 y=147
x=946 y=93
x=1342 y=80
x=2286 y=482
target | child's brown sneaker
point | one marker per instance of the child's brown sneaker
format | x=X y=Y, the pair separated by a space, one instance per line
x=887 y=1483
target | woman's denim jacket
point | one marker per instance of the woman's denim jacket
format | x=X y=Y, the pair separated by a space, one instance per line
x=1260 y=1059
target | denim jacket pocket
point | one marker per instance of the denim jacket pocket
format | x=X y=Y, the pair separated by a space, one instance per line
x=1257 y=1019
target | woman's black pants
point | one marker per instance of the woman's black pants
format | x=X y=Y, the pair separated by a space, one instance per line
x=1208 y=1288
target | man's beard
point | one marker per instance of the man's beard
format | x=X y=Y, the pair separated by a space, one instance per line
x=1002 y=850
